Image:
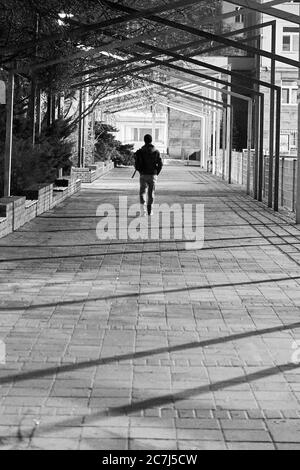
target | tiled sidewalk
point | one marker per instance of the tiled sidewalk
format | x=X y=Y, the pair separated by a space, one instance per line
x=144 y=345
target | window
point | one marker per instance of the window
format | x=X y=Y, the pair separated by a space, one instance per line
x=285 y=95
x=288 y=142
x=290 y=39
x=239 y=18
x=138 y=134
x=135 y=134
x=286 y=43
x=284 y=143
x=294 y=140
x=143 y=132
x=289 y=92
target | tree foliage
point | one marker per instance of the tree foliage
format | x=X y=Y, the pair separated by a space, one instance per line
x=109 y=148
x=34 y=32
x=38 y=165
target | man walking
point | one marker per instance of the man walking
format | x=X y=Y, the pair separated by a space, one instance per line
x=148 y=163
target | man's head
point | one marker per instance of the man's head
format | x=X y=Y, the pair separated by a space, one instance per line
x=148 y=139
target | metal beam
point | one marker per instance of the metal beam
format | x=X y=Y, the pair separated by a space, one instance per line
x=125 y=93
x=140 y=57
x=234 y=13
x=210 y=36
x=298 y=151
x=179 y=107
x=178 y=90
x=176 y=48
x=114 y=104
x=257 y=51
x=181 y=69
x=82 y=30
x=192 y=102
x=200 y=63
x=108 y=47
x=267 y=10
x=117 y=102
x=208 y=85
x=127 y=108
x=250 y=119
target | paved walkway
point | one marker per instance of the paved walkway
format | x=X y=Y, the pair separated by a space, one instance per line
x=145 y=345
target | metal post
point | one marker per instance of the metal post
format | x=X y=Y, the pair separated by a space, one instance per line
x=249 y=144
x=214 y=152
x=224 y=141
x=209 y=137
x=53 y=108
x=217 y=142
x=39 y=113
x=298 y=159
x=168 y=131
x=32 y=110
x=59 y=105
x=261 y=149
x=80 y=128
x=294 y=184
x=9 y=134
x=272 y=117
x=153 y=123
x=85 y=104
x=229 y=131
x=277 y=150
x=49 y=109
x=230 y=146
x=257 y=129
x=209 y=140
x=203 y=146
x=34 y=87
x=256 y=147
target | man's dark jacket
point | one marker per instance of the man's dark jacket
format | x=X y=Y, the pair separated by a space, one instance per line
x=148 y=160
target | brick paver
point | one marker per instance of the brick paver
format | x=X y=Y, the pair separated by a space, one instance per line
x=144 y=345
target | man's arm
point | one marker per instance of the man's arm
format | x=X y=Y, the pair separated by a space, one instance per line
x=159 y=163
x=138 y=161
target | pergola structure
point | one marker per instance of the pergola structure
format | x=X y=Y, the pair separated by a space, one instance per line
x=181 y=75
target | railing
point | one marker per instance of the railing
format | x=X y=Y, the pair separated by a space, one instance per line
x=242 y=174
x=287 y=181
x=194 y=159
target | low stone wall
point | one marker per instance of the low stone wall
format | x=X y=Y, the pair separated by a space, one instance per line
x=12 y=213
x=91 y=173
x=18 y=210
x=42 y=195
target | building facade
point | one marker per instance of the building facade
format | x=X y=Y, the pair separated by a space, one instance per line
x=133 y=125
x=287 y=45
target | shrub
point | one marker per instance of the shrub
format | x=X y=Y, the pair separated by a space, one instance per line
x=39 y=164
x=109 y=148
